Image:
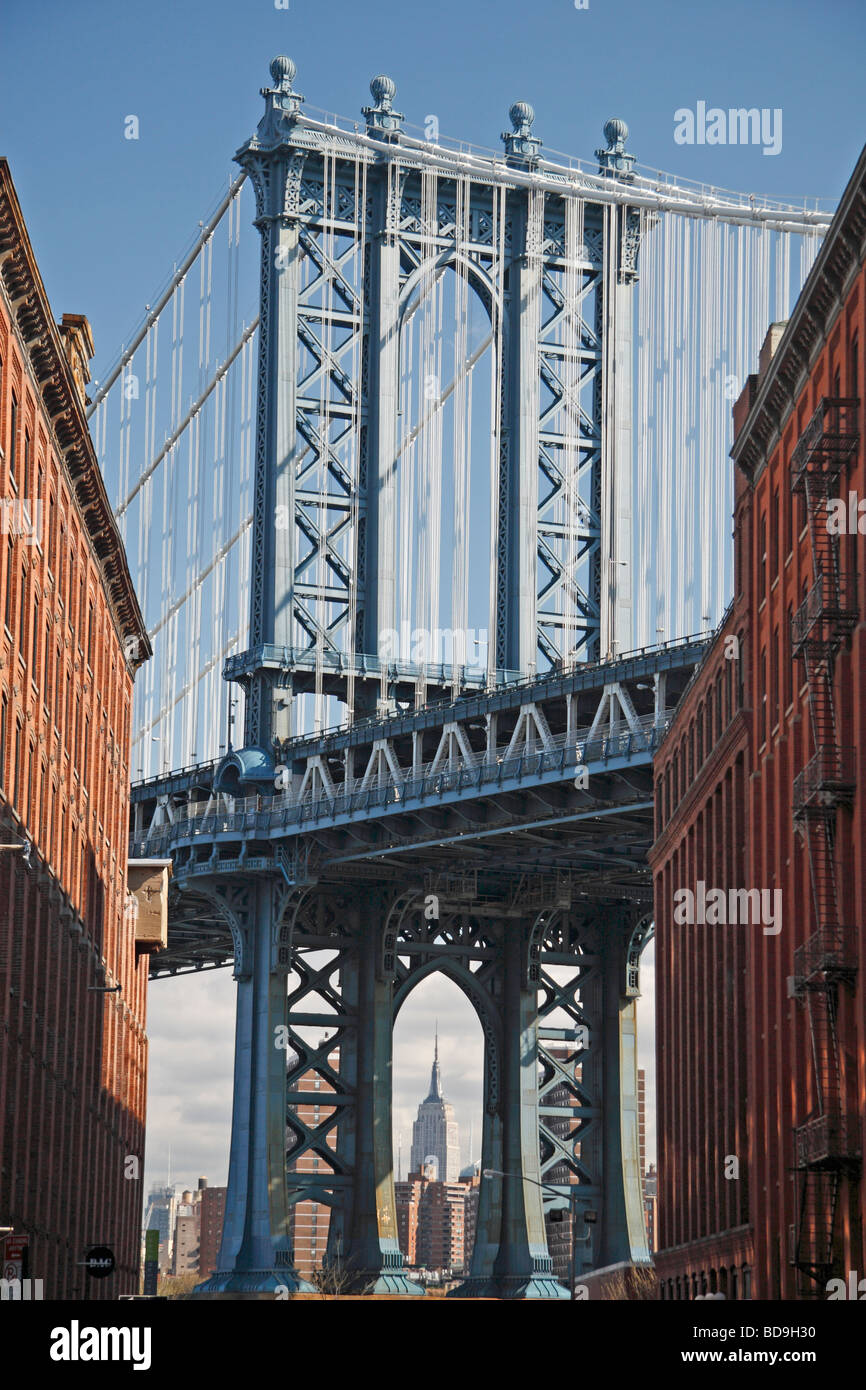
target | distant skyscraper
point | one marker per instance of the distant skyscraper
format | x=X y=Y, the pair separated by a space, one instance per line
x=435 y=1132
x=160 y=1215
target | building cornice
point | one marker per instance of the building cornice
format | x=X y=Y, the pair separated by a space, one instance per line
x=842 y=254
x=30 y=312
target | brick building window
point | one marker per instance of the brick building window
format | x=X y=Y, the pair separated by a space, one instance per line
x=774 y=678
x=762 y=696
x=787 y=511
x=788 y=658
x=22 y=615
x=729 y=693
x=762 y=559
x=13 y=439
x=27 y=465
x=3 y=714
x=49 y=838
x=8 y=610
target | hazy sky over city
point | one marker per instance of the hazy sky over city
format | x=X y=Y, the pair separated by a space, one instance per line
x=191 y=1027
x=108 y=217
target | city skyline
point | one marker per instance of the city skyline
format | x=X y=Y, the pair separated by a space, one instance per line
x=190 y=1108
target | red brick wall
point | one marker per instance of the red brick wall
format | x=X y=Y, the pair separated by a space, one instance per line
x=700 y=977
x=72 y=1061
x=213 y=1207
x=734 y=1066
x=783 y=1082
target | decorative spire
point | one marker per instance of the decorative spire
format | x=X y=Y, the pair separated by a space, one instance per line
x=435 y=1092
x=521 y=146
x=382 y=120
x=615 y=161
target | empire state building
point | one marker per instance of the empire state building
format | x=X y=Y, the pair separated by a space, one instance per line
x=435 y=1132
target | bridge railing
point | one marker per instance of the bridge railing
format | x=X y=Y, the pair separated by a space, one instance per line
x=451 y=710
x=500 y=687
x=267 y=813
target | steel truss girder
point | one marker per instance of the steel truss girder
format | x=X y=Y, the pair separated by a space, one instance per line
x=482 y=773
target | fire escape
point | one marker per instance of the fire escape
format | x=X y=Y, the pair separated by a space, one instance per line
x=826 y=1146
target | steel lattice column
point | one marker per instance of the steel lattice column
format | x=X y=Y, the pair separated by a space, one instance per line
x=372 y=1255
x=623 y=1229
x=256 y=1252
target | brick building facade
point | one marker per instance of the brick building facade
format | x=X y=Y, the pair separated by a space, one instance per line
x=761 y=1033
x=436 y=1221
x=213 y=1210
x=72 y=1054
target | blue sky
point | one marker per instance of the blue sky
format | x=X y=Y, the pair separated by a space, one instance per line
x=108 y=216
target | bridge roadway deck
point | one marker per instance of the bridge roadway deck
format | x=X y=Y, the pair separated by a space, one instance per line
x=577 y=802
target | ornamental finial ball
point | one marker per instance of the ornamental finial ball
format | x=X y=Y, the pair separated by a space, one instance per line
x=522 y=114
x=615 y=131
x=283 y=68
x=383 y=89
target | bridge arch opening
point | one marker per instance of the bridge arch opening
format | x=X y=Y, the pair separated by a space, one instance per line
x=437 y=1107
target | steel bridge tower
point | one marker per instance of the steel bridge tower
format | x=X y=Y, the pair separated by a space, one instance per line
x=352 y=214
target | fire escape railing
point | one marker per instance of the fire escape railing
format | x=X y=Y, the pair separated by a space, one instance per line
x=826 y=1144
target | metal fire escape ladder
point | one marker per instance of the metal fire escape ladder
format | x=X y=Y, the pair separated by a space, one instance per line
x=826 y=1145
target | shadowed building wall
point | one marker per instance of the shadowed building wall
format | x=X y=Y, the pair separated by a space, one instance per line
x=73 y=966
x=759 y=789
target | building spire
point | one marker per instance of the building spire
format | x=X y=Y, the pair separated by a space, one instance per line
x=436 y=1073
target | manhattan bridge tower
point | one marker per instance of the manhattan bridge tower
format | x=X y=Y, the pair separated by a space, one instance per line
x=442 y=826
